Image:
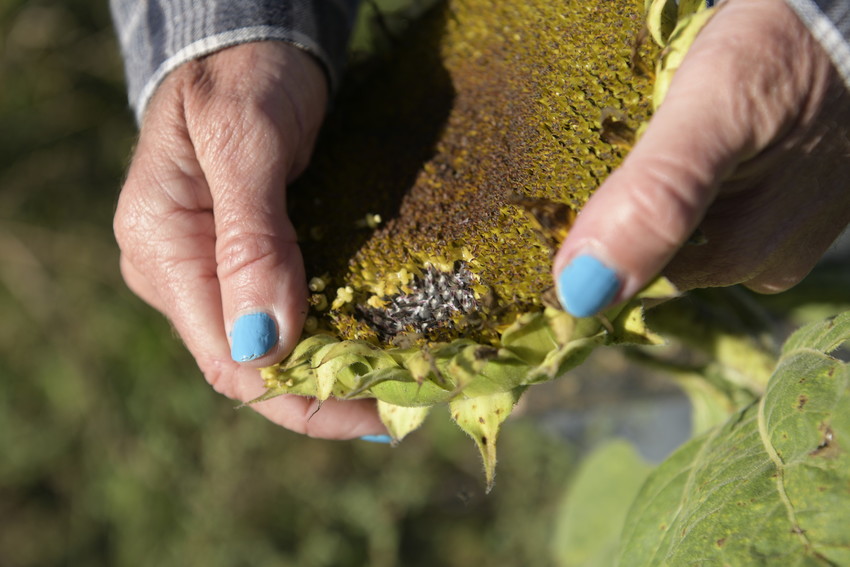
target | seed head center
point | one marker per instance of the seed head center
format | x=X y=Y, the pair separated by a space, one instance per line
x=435 y=299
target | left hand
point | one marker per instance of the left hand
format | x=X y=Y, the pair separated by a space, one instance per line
x=202 y=223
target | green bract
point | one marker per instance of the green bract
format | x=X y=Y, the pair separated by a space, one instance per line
x=674 y=27
x=480 y=383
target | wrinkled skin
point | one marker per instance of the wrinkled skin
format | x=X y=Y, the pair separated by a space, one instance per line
x=750 y=145
x=202 y=222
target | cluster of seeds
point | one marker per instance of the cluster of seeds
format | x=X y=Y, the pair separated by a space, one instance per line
x=434 y=299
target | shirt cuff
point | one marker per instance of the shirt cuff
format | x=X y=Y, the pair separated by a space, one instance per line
x=157 y=36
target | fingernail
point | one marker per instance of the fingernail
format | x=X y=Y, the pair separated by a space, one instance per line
x=253 y=335
x=586 y=285
x=386 y=439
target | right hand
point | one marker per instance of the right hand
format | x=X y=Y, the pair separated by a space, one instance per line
x=202 y=223
x=750 y=145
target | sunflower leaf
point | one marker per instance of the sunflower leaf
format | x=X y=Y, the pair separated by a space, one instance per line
x=767 y=487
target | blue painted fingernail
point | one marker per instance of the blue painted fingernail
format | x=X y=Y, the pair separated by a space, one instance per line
x=586 y=285
x=253 y=335
x=386 y=439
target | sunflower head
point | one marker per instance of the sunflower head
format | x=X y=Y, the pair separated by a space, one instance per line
x=440 y=188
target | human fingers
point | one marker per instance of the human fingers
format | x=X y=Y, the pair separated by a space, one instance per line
x=722 y=108
x=779 y=213
x=166 y=227
x=251 y=134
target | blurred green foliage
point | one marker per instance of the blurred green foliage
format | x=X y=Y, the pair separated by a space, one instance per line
x=113 y=450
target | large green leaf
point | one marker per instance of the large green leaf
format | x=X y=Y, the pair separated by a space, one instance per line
x=769 y=487
x=594 y=507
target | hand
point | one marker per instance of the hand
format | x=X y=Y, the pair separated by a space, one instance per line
x=202 y=224
x=750 y=145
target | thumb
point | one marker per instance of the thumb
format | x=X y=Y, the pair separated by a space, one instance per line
x=715 y=115
x=252 y=134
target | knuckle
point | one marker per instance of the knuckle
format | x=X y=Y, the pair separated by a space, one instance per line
x=143 y=203
x=664 y=207
x=240 y=251
x=779 y=278
x=770 y=286
x=137 y=227
x=689 y=271
x=130 y=220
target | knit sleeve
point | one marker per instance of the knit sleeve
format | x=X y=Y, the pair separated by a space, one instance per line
x=156 y=36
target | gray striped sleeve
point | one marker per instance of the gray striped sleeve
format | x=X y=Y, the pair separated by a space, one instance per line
x=158 y=35
x=829 y=22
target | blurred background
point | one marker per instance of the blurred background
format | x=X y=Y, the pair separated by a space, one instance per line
x=113 y=449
